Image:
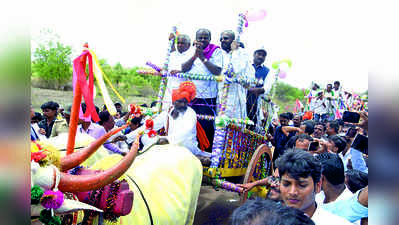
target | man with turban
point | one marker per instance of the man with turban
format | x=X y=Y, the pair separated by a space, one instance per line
x=180 y=122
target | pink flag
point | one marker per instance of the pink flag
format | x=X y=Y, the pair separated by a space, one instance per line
x=338 y=114
x=298 y=106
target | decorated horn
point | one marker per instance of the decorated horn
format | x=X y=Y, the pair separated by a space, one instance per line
x=82 y=183
x=78 y=157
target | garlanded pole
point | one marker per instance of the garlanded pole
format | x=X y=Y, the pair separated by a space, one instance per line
x=220 y=131
x=162 y=86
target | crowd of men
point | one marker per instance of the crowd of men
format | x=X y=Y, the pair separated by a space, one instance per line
x=319 y=178
x=326 y=180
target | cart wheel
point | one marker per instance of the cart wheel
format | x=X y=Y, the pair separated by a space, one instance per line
x=260 y=167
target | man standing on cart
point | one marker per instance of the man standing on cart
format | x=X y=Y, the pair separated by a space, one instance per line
x=206 y=60
x=176 y=59
x=261 y=72
x=239 y=59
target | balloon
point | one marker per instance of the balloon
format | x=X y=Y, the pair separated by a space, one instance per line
x=288 y=61
x=282 y=74
x=275 y=65
x=284 y=66
x=256 y=15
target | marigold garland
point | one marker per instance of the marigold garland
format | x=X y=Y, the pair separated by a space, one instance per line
x=45 y=154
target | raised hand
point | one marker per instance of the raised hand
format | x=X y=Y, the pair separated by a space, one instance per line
x=246 y=187
x=365 y=121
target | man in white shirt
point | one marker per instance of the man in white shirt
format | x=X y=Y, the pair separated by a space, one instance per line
x=330 y=97
x=239 y=59
x=177 y=58
x=207 y=60
x=312 y=95
x=300 y=175
x=319 y=106
x=333 y=179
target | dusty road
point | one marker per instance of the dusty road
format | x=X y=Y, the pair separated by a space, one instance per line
x=215 y=207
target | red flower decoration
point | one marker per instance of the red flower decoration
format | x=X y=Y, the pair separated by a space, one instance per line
x=37 y=156
x=39 y=146
x=149 y=124
x=132 y=108
x=152 y=133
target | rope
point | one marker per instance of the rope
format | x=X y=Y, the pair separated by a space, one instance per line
x=145 y=201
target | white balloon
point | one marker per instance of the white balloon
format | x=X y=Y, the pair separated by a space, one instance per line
x=284 y=66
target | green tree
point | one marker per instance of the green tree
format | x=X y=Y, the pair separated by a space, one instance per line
x=285 y=96
x=52 y=63
x=118 y=72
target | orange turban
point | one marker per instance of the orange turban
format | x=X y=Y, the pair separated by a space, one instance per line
x=308 y=115
x=186 y=90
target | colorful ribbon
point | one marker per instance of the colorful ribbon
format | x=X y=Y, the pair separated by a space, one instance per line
x=104 y=92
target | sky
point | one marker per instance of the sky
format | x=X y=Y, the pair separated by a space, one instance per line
x=323 y=39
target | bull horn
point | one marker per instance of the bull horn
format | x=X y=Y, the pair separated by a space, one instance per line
x=78 y=157
x=82 y=183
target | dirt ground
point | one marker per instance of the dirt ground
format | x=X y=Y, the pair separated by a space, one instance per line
x=215 y=207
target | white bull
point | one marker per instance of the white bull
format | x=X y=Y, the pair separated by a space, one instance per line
x=168 y=178
x=165 y=179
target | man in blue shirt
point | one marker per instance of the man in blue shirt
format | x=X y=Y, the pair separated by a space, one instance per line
x=261 y=72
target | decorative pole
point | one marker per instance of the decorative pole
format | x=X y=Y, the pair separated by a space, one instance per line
x=161 y=92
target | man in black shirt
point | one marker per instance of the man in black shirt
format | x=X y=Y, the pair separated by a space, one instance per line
x=50 y=113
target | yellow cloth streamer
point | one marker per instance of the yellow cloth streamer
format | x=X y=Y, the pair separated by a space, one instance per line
x=106 y=78
x=98 y=73
x=169 y=177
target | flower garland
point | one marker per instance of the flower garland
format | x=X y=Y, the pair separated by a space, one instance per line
x=93 y=199
x=49 y=200
x=52 y=199
x=236 y=79
x=113 y=194
x=135 y=110
x=44 y=154
x=149 y=125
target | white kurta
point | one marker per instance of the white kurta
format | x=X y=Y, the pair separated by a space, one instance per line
x=237 y=95
x=182 y=130
x=176 y=60
x=206 y=89
x=312 y=99
x=318 y=106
